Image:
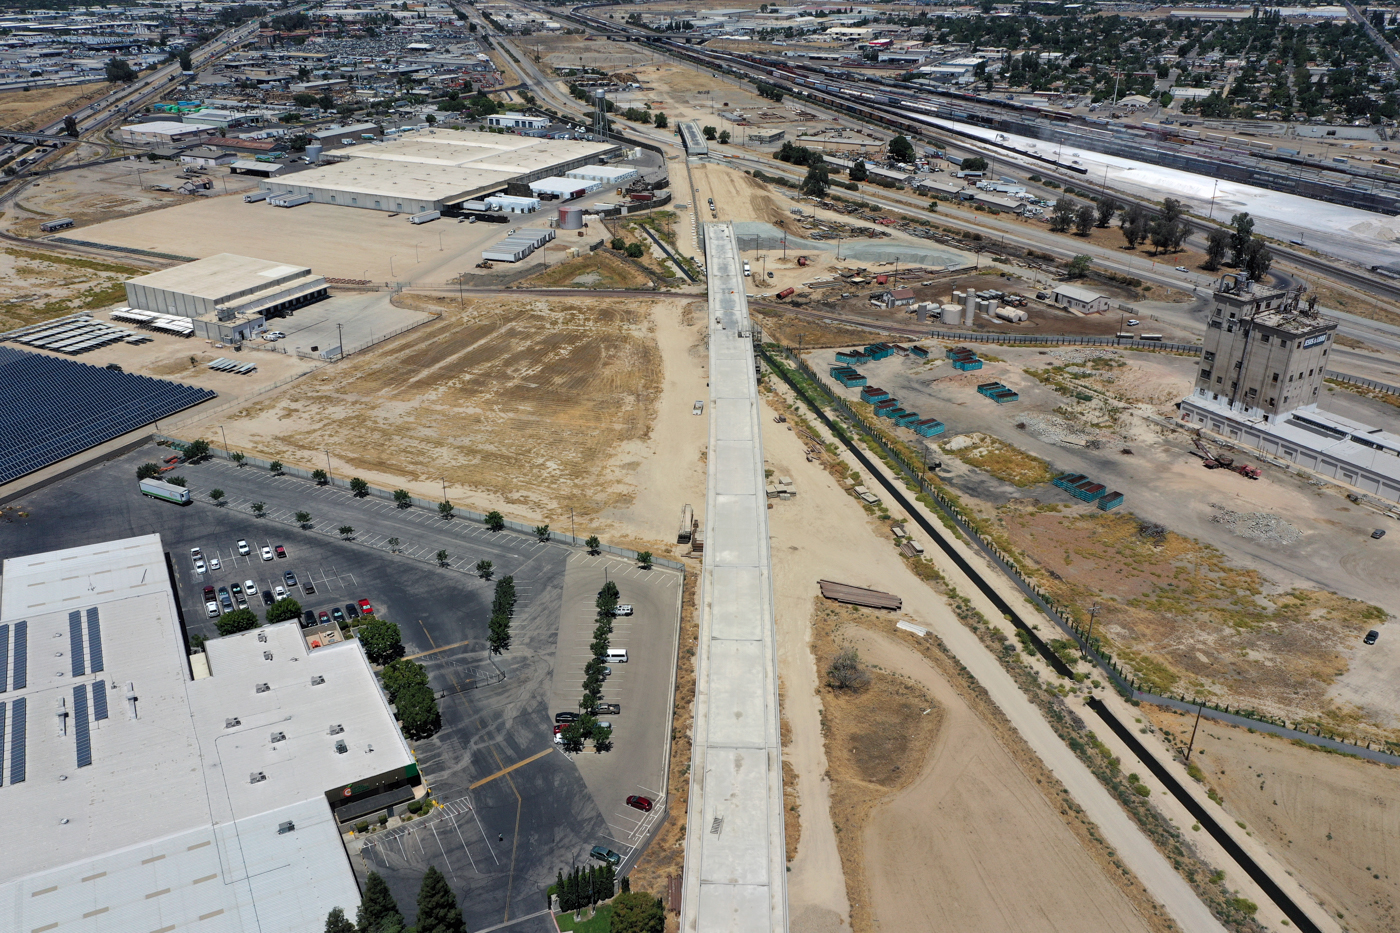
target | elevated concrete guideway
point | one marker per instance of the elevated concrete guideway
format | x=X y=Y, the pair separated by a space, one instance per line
x=735 y=858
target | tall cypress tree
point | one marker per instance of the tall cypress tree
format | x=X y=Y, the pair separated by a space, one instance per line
x=437 y=905
x=376 y=906
x=337 y=922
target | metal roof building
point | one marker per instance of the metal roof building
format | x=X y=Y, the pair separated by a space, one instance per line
x=158 y=799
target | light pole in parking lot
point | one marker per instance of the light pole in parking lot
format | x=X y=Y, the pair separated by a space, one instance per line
x=328 y=466
x=444 y=489
x=225 y=434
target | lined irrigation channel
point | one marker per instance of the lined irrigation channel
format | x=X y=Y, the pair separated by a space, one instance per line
x=1217 y=832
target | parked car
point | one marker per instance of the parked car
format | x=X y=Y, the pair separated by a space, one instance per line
x=215 y=564
x=337 y=615
x=243 y=548
x=267 y=598
x=208 y=592
x=237 y=593
x=1371 y=637
x=279 y=592
x=212 y=608
x=1133 y=322
x=281 y=551
x=200 y=567
x=196 y=554
x=603 y=724
x=291 y=579
x=639 y=803
x=249 y=588
x=610 y=709
x=560 y=727
x=1181 y=269
x=224 y=598
x=267 y=553
x=308 y=619
x=604 y=854
x=1378 y=533
x=322 y=618
x=309 y=588
x=365 y=608
x=351 y=612
x=566 y=717
x=624 y=610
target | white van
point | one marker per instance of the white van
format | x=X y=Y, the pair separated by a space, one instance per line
x=616 y=656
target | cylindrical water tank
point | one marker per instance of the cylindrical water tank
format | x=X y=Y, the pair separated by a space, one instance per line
x=921 y=313
x=970 y=313
x=313 y=153
x=970 y=302
x=571 y=218
x=1008 y=314
x=952 y=313
x=992 y=305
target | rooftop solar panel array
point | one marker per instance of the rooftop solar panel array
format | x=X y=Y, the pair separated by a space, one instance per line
x=2 y=743
x=80 y=725
x=94 y=640
x=75 y=643
x=54 y=408
x=99 y=700
x=17 y=739
x=4 y=658
x=21 y=676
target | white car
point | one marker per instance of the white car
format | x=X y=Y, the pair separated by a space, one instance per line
x=196 y=553
x=1181 y=269
x=624 y=610
x=243 y=548
x=199 y=566
x=212 y=608
x=279 y=592
x=1133 y=322
x=214 y=564
x=250 y=588
x=267 y=553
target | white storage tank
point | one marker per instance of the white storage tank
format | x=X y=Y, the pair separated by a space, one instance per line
x=570 y=218
x=313 y=153
x=992 y=305
x=952 y=314
x=1010 y=314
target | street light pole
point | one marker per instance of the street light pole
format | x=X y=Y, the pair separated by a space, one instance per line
x=444 y=489
x=225 y=434
x=340 y=338
x=328 y=466
x=1093 y=611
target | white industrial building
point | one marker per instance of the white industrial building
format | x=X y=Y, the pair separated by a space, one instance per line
x=1076 y=298
x=163 y=133
x=148 y=789
x=517 y=121
x=439 y=170
x=564 y=189
x=227 y=297
x=607 y=174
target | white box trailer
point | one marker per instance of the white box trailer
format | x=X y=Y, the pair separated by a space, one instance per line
x=159 y=489
x=536 y=235
x=255 y=196
x=425 y=217
x=509 y=250
x=289 y=200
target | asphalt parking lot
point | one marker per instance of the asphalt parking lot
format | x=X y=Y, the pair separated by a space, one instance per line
x=515 y=809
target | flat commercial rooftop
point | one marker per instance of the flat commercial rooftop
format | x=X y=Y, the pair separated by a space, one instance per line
x=222 y=276
x=735 y=852
x=160 y=799
x=390 y=178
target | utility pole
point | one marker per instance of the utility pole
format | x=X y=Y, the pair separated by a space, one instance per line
x=328 y=465
x=1192 y=744
x=444 y=489
x=1088 y=639
x=1215 y=184
x=225 y=434
x=340 y=339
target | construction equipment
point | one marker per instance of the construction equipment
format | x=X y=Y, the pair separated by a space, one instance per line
x=1212 y=461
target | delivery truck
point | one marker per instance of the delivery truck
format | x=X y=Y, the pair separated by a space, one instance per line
x=159 y=489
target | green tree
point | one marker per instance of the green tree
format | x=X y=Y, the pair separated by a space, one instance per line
x=495 y=521
x=304 y=99
x=304 y=519
x=498 y=632
x=347 y=532
x=637 y=912
x=393 y=545
x=542 y=532
x=644 y=558
x=1257 y=259
x=337 y=922
x=483 y=569
x=1217 y=245
x=186 y=64
x=1134 y=225
x=325 y=102
x=901 y=149
x=1243 y=226
x=177 y=481
x=442 y=557
x=258 y=508
x=382 y=640
x=238 y=457
x=602 y=738
x=1107 y=207
x=1079 y=266
x=974 y=164
x=70 y=126
x=275 y=467
x=660 y=120
x=619 y=244
x=359 y=487
x=635 y=250
x=239 y=620
x=321 y=477
x=817 y=181
x=418 y=711
x=437 y=905
x=400 y=675
x=376 y=906
x=593 y=544
x=572 y=740
x=445 y=509
x=858 y=171
x=197 y=450
x=217 y=495
x=402 y=498
x=119 y=69
x=148 y=471
x=1063 y=213
x=282 y=610
x=710 y=133
x=724 y=137
x=1084 y=219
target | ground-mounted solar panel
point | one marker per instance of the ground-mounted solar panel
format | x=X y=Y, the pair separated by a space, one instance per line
x=75 y=643
x=4 y=658
x=80 y=725
x=18 y=727
x=57 y=407
x=21 y=678
x=99 y=700
x=94 y=640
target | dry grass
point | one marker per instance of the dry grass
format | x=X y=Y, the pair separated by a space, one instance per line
x=24 y=110
x=1184 y=618
x=1344 y=299
x=999 y=459
x=523 y=402
x=594 y=270
x=49 y=285
x=791 y=330
x=876 y=742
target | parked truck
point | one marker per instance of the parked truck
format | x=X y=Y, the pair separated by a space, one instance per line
x=159 y=489
x=425 y=217
x=290 y=200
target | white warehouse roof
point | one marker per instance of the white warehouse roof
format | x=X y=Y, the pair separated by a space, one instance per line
x=607 y=173
x=141 y=792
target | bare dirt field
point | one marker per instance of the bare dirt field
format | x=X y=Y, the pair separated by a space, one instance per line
x=45 y=285
x=25 y=110
x=534 y=407
x=1332 y=820
x=591 y=271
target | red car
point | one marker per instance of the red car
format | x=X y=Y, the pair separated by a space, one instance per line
x=208 y=592
x=281 y=551
x=365 y=608
x=323 y=617
x=559 y=727
x=640 y=803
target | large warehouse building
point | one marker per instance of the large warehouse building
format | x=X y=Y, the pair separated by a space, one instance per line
x=227 y=297
x=144 y=792
x=439 y=171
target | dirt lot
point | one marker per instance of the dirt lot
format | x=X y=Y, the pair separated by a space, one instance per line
x=1332 y=820
x=593 y=270
x=528 y=406
x=48 y=285
x=24 y=110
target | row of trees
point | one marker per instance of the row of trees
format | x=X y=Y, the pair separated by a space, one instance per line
x=584 y=887
x=769 y=92
x=406 y=683
x=502 y=608
x=379 y=912
x=587 y=726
